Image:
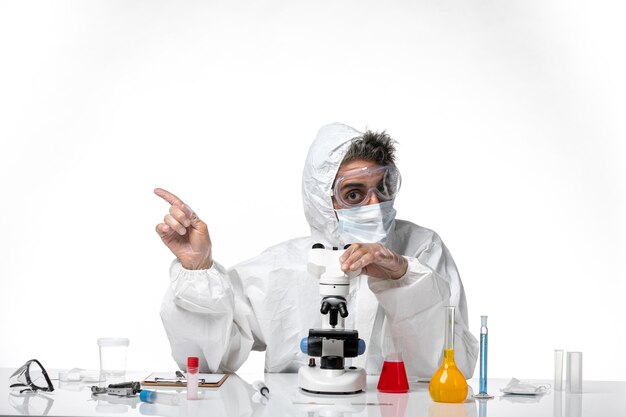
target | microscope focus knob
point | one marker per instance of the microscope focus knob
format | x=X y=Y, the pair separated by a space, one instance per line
x=304 y=345
x=361 y=347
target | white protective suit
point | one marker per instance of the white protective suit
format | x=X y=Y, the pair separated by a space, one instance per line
x=270 y=302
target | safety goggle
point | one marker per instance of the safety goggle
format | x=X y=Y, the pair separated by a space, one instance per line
x=31 y=377
x=354 y=188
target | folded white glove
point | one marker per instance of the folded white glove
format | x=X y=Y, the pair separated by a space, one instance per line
x=515 y=386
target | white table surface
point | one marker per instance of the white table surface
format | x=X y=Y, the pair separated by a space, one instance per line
x=234 y=399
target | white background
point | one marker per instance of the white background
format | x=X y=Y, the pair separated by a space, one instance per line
x=509 y=115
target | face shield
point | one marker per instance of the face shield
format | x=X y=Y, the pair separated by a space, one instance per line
x=354 y=188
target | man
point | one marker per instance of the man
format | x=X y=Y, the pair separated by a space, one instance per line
x=270 y=302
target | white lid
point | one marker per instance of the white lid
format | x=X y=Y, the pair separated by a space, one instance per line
x=113 y=341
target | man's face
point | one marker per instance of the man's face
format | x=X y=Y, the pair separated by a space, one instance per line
x=355 y=182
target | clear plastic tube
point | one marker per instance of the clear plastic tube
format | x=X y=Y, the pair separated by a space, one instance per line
x=558 y=369
x=192 y=378
x=574 y=379
x=152 y=397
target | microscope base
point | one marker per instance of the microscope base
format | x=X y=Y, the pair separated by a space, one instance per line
x=332 y=381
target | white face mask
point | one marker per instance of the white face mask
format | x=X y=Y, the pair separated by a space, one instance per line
x=367 y=224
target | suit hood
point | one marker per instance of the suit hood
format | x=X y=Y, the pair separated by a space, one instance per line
x=320 y=169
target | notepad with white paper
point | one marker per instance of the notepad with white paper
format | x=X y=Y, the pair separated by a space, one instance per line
x=169 y=379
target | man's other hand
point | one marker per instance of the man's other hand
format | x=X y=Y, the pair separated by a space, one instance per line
x=184 y=233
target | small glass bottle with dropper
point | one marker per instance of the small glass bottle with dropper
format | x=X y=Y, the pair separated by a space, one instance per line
x=448 y=385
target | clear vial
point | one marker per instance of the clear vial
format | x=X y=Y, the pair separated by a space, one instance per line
x=153 y=397
x=192 y=378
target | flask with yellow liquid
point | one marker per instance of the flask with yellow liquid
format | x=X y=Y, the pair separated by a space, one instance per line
x=448 y=385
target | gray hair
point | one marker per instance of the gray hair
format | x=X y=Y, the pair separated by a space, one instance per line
x=372 y=146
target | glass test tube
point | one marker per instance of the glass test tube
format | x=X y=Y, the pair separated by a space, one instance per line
x=484 y=332
x=483 y=355
x=574 y=380
x=558 y=369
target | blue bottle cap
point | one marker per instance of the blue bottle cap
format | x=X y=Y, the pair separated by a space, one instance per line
x=147 y=396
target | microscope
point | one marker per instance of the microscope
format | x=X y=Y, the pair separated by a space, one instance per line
x=332 y=343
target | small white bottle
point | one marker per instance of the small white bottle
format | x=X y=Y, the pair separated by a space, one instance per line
x=192 y=378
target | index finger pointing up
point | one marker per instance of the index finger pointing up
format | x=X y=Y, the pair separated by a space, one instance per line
x=173 y=200
x=169 y=197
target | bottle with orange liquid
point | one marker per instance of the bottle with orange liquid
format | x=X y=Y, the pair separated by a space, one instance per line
x=448 y=385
